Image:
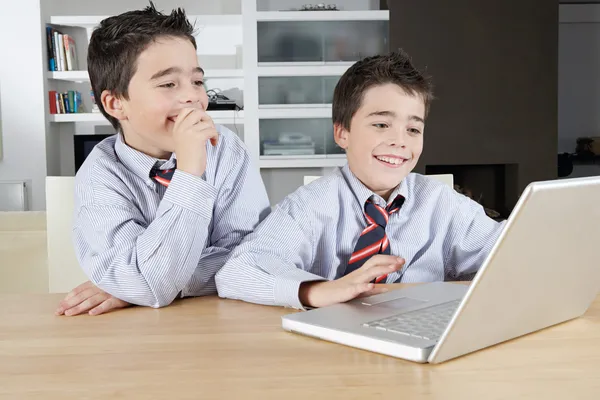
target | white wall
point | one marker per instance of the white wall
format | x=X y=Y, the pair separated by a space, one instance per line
x=23 y=109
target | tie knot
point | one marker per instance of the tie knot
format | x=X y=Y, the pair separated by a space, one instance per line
x=163 y=176
x=379 y=215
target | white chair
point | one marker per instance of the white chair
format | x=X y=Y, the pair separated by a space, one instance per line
x=448 y=179
x=64 y=272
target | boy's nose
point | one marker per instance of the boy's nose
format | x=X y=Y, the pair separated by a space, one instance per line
x=191 y=96
x=396 y=139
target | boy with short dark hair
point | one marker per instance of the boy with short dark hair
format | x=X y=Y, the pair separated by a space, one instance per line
x=160 y=205
x=372 y=221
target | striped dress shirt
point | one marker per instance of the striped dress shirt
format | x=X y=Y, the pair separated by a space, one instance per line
x=311 y=235
x=147 y=244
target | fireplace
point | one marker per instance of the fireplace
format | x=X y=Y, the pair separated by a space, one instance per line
x=486 y=184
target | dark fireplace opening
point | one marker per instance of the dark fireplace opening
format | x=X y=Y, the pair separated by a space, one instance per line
x=489 y=185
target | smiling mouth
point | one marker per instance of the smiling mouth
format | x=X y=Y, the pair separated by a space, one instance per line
x=390 y=161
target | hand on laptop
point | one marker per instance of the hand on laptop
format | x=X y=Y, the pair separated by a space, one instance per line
x=88 y=298
x=355 y=284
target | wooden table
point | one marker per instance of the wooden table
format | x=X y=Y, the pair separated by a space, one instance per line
x=213 y=348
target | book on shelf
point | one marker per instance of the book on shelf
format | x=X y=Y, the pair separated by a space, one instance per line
x=65 y=102
x=62 y=51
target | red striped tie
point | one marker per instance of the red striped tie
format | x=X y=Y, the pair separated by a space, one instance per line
x=373 y=239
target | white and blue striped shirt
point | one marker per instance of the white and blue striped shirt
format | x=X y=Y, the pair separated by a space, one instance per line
x=311 y=234
x=145 y=243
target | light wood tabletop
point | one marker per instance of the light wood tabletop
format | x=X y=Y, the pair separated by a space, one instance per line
x=213 y=348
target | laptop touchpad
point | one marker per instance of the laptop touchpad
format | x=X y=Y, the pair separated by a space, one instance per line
x=399 y=303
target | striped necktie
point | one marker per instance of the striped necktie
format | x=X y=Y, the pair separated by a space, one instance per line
x=373 y=239
x=163 y=176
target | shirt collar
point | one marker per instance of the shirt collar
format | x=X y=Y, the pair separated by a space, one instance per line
x=137 y=162
x=362 y=193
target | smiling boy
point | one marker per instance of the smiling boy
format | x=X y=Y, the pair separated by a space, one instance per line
x=372 y=221
x=160 y=205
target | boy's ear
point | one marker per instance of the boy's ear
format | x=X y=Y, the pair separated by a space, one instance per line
x=113 y=105
x=340 y=135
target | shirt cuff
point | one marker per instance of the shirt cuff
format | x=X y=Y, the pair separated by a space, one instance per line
x=287 y=287
x=192 y=193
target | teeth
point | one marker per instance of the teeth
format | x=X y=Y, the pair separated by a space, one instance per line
x=390 y=160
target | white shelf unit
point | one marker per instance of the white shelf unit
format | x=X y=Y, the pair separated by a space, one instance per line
x=250 y=75
x=226 y=75
x=256 y=70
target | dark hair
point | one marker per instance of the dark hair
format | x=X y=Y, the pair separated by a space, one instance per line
x=117 y=43
x=395 y=67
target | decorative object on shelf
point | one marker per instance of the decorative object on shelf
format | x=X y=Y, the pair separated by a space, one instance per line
x=587 y=152
x=218 y=101
x=95 y=108
x=565 y=165
x=319 y=7
x=588 y=147
x=289 y=144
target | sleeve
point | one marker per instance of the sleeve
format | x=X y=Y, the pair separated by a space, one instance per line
x=271 y=263
x=241 y=204
x=145 y=264
x=470 y=238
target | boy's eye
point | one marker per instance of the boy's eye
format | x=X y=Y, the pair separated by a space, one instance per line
x=168 y=85
x=414 y=131
x=198 y=83
x=381 y=126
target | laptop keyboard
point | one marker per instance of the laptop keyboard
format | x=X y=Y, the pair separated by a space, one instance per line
x=426 y=323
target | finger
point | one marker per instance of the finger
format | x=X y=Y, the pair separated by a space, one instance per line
x=79 y=289
x=376 y=272
x=358 y=289
x=206 y=118
x=183 y=116
x=208 y=131
x=79 y=298
x=376 y=290
x=87 y=304
x=110 y=304
x=382 y=260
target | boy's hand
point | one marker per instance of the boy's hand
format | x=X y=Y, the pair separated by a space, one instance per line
x=193 y=127
x=355 y=284
x=88 y=298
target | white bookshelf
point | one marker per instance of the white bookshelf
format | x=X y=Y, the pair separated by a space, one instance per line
x=259 y=73
x=248 y=74
x=226 y=73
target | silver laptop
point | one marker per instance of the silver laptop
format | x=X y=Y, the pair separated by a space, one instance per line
x=543 y=270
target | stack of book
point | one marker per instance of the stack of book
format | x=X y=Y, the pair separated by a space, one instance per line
x=65 y=103
x=61 y=51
